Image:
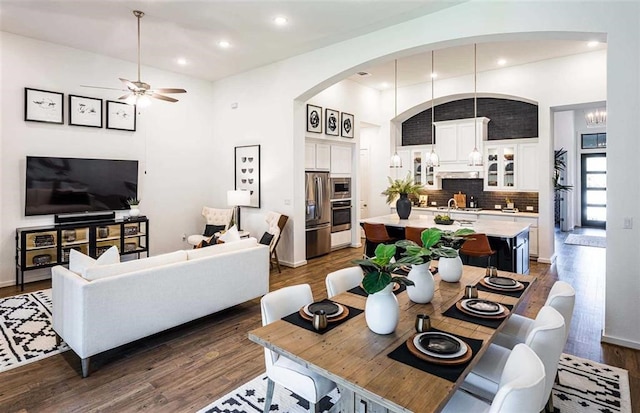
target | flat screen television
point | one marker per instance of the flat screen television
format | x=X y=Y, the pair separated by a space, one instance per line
x=74 y=185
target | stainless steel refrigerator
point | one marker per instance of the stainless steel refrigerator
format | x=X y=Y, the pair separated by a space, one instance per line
x=318 y=214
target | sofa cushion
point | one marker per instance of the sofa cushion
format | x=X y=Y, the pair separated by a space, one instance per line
x=232 y=235
x=221 y=248
x=80 y=263
x=97 y=272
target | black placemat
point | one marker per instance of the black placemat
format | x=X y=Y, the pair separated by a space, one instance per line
x=451 y=373
x=515 y=294
x=360 y=291
x=487 y=322
x=298 y=320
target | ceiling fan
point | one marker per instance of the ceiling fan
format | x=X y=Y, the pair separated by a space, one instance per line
x=139 y=91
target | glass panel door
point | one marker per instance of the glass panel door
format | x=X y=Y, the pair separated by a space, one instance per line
x=492 y=167
x=594 y=190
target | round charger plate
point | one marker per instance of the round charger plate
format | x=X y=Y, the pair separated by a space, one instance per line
x=519 y=286
x=344 y=314
x=438 y=360
x=331 y=309
x=502 y=282
x=500 y=316
x=440 y=345
x=483 y=307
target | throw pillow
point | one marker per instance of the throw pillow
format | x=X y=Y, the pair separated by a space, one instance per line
x=209 y=230
x=79 y=262
x=266 y=238
x=232 y=235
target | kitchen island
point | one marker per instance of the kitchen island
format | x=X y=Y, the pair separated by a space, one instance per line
x=510 y=240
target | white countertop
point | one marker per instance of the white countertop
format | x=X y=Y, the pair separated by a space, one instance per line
x=501 y=229
x=481 y=212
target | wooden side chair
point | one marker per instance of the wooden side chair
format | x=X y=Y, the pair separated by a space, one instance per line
x=276 y=222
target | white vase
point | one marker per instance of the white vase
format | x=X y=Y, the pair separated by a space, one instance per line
x=422 y=290
x=450 y=269
x=381 y=311
x=134 y=211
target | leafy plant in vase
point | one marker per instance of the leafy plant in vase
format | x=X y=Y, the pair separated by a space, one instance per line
x=381 y=309
x=402 y=188
x=449 y=263
x=133 y=203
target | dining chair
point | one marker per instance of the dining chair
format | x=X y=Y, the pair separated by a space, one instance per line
x=413 y=234
x=477 y=245
x=520 y=388
x=375 y=234
x=342 y=280
x=562 y=297
x=546 y=339
x=281 y=370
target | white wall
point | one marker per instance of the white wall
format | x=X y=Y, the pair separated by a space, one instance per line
x=276 y=86
x=565 y=138
x=172 y=143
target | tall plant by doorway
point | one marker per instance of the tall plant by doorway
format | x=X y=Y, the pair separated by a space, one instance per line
x=559 y=166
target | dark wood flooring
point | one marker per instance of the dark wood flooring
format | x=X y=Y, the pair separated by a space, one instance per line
x=186 y=368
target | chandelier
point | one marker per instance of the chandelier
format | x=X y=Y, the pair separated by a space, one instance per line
x=596 y=119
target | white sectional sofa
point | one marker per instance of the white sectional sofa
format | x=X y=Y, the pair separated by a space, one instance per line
x=111 y=305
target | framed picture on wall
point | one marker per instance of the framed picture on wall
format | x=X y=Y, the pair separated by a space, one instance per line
x=247 y=172
x=347 y=125
x=121 y=116
x=332 y=126
x=43 y=106
x=84 y=111
x=314 y=119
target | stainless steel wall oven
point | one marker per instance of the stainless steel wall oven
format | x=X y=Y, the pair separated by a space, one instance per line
x=340 y=215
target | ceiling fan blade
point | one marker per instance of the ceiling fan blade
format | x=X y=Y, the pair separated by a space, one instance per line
x=124 y=97
x=169 y=90
x=162 y=97
x=101 y=87
x=129 y=84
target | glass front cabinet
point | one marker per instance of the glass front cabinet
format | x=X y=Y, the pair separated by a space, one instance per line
x=500 y=172
x=423 y=174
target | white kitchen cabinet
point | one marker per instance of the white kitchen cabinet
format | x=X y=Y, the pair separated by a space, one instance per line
x=500 y=172
x=528 y=166
x=341 y=163
x=317 y=156
x=423 y=174
x=455 y=139
x=340 y=239
x=533 y=234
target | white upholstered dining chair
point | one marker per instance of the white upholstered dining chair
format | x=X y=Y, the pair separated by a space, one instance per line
x=281 y=370
x=562 y=297
x=546 y=339
x=520 y=388
x=342 y=280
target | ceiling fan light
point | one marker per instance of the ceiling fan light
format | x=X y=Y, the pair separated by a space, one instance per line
x=131 y=99
x=143 y=101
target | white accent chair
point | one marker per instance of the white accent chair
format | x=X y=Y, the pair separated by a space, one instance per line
x=562 y=297
x=546 y=339
x=214 y=216
x=520 y=390
x=342 y=280
x=281 y=370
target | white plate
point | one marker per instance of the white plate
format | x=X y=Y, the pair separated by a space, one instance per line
x=339 y=312
x=504 y=287
x=473 y=310
x=461 y=352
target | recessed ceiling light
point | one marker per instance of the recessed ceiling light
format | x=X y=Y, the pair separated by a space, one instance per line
x=502 y=62
x=592 y=43
x=280 y=20
x=224 y=44
x=181 y=61
x=384 y=85
x=434 y=75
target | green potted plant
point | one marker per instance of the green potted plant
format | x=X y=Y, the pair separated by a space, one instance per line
x=402 y=188
x=381 y=309
x=133 y=203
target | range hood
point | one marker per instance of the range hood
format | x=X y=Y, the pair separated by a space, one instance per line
x=459 y=175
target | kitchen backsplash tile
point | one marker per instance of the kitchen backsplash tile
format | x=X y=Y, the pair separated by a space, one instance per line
x=485 y=200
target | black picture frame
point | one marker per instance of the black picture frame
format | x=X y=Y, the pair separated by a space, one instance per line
x=43 y=106
x=85 y=111
x=332 y=122
x=346 y=125
x=121 y=116
x=247 y=172
x=314 y=118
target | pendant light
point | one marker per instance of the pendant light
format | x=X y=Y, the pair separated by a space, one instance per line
x=475 y=157
x=396 y=161
x=433 y=159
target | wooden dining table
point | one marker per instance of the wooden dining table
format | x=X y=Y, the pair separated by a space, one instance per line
x=357 y=360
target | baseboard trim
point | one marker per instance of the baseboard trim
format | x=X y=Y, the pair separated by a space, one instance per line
x=31 y=278
x=293 y=264
x=620 y=342
x=550 y=260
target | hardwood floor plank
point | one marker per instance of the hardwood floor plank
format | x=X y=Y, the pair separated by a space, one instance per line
x=190 y=366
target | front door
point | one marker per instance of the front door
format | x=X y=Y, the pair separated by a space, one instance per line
x=594 y=190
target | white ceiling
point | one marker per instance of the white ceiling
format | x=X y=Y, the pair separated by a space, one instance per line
x=173 y=29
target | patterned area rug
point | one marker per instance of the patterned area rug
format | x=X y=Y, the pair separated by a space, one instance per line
x=585 y=387
x=586 y=240
x=25 y=324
